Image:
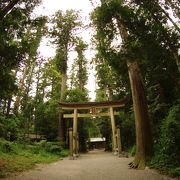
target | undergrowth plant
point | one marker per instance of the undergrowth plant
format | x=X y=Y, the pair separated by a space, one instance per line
x=167 y=150
x=15 y=157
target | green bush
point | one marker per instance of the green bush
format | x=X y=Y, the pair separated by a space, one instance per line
x=64 y=153
x=35 y=149
x=15 y=157
x=167 y=150
x=42 y=143
x=6 y=146
x=11 y=127
x=2 y=128
x=55 y=149
x=51 y=147
x=132 y=150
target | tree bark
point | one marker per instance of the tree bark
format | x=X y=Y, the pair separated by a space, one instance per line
x=8 y=106
x=63 y=84
x=143 y=133
x=30 y=79
x=110 y=94
x=61 y=128
x=8 y=8
x=10 y=100
x=18 y=98
x=36 y=101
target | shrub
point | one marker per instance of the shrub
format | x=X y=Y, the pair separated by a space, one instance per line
x=11 y=127
x=132 y=150
x=64 y=153
x=6 y=146
x=55 y=149
x=52 y=147
x=167 y=150
x=35 y=149
x=42 y=143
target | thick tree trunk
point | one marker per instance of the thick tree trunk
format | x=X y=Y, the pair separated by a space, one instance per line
x=110 y=94
x=30 y=79
x=8 y=106
x=21 y=87
x=36 y=101
x=63 y=85
x=61 y=124
x=81 y=85
x=10 y=100
x=144 y=145
x=143 y=133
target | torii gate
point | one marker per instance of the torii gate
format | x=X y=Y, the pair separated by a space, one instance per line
x=93 y=108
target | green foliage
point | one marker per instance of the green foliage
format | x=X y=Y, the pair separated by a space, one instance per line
x=127 y=126
x=9 y=126
x=132 y=150
x=15 y=157
x=64 y=25
x=6 y=146
x=150 y=41
x=154 y=45
x=93 y=128
x=15 y=41
x=75 y=95
x=36 y=147
x=52 y=147
x=6 y=89
x=46 y=119
x=106 y=131
x=167 y=152
x=2 y=129
x=49 y=147
x=79 y=68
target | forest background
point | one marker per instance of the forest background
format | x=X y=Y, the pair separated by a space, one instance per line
x=126 y=36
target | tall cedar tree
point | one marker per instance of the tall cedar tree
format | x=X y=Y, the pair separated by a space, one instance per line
x=64 y=26
x=143 y=133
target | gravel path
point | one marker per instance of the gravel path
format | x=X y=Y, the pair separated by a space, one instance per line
x=96 y=165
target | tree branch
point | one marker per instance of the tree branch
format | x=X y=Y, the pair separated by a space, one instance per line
x=7 y=8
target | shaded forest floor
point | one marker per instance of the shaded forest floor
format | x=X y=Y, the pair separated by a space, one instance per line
x=18 y=157
x=96 y=165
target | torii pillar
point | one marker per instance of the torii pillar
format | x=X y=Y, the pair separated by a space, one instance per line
x=75 y=143
x=113 y=124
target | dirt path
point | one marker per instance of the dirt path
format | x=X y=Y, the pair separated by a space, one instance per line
x=96 y=165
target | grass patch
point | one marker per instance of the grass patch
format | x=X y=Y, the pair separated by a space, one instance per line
x=16 y=157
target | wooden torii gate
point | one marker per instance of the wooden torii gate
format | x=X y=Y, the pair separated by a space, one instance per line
x=93 y=111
